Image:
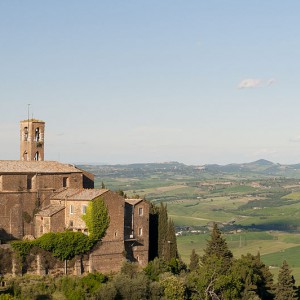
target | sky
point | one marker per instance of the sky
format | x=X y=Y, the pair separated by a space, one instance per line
x=192 y=81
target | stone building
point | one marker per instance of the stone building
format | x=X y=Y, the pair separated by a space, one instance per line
x=38 y=196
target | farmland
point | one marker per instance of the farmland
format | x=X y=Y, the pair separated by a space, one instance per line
x=256 y=205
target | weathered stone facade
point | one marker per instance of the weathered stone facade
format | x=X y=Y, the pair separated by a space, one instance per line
x=38 y=196
x=26 y=186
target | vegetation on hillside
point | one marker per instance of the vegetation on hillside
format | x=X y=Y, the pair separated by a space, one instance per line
x=215 y=275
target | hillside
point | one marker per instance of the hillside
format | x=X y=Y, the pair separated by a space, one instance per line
x=261 y=168
x=256 y=204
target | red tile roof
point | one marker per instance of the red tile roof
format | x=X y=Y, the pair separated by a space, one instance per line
x=18 y=166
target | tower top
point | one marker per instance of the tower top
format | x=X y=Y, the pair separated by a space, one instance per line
x=32 y=140
x=32 y=121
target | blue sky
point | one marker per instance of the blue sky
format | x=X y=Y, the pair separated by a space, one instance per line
x=152 y=81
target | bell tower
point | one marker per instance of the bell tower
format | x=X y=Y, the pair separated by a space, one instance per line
x=32 y=140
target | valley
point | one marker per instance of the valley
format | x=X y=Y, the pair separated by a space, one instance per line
x=256 y=205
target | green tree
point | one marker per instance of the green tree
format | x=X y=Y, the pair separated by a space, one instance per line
x=167 y=243
x=162 y=231
x=155 y=268
x=214 y=279
x=217 y=246
x=96 y=219
x=174 y=288
x=255 y=277
x=285 y=288
x=194 y=261
x=172 y=252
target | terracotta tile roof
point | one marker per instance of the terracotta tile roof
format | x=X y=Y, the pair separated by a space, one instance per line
x=79 y=194
x=133 y=201
x=18 y=166
x=50 y=210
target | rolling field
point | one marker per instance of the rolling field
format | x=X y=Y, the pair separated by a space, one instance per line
x=262 y=212
x=269 y=221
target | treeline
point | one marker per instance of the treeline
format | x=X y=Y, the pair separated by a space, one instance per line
x=216 y=275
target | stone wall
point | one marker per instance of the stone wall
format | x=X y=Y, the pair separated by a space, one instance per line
x=73 y=214
x=141 y=229
x=115 y=205
x=16 y=213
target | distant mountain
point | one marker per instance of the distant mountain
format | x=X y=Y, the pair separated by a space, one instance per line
x=262 y=162
x=258 y=168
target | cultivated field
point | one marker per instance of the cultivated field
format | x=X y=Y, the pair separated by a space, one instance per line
x=256 y=211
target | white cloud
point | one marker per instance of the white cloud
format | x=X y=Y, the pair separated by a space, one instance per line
x=295 y=139
x=249 y=83
x=253 y=83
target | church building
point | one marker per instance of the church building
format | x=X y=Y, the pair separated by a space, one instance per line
x=38 y=196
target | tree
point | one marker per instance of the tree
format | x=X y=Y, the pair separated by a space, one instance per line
x=217 y=246
x=214 y=279
x=194 y=261
x=155 y=268
x=174 y=288
x=162 y=230
x=255 y=277
x=172 y=252
x=285 y=288
x=167 y=243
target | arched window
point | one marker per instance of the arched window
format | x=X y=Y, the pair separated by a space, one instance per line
x=37 y=134
x=25 y=134
x=25 y=155
x=37 y=156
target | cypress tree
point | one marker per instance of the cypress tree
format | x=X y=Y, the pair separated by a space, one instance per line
x=162 y=230
x=285 y=288
x=218 y=248
x=215 y=278
x=194 y=261
x=167 y=243
x=171 y=242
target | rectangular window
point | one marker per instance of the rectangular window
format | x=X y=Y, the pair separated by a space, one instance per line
x=29 y=182
x=71 y=209
x=140 y=211
x=83 y=209
x=140 y=231
x=65 y=181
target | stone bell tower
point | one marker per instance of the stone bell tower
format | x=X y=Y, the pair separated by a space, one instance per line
x=32 y=140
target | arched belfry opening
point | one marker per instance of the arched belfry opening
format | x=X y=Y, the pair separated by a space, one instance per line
x=25 y=134
x=32 y=140
x=37 y=156
x=37 y=135
x=25 y=156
